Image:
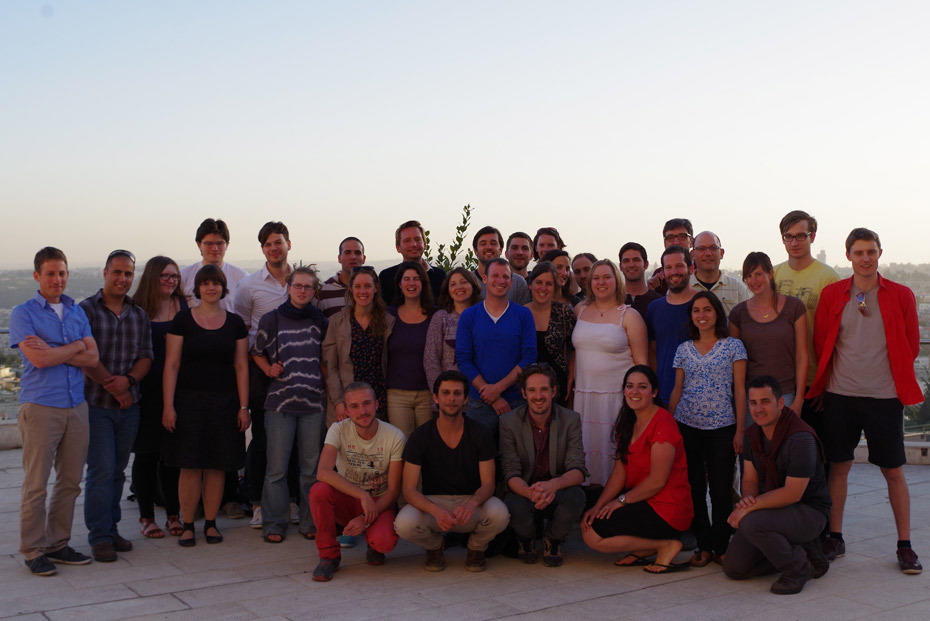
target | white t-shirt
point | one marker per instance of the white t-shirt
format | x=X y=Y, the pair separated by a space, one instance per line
x=365 y=462
x=59 y=310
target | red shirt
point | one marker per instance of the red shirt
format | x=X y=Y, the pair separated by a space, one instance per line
x=902 y=335
x=672 y=502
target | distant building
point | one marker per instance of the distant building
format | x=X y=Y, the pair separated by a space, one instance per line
x=822 y=256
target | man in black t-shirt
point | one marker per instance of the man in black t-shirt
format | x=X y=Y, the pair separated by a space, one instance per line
x=454 y=458
x=785 y=500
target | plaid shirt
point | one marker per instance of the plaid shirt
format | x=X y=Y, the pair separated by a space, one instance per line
x=121 y=341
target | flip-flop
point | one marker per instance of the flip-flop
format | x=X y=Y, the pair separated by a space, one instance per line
x=667 y=569
x=268 y=538
x=174 y=526
x=638 y=561
x=150 y=529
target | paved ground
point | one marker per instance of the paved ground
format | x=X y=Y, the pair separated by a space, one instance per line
x=245 y=578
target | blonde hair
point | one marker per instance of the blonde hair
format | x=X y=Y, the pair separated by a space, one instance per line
x=620 y=293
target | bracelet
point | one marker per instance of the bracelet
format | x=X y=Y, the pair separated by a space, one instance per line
x=244 y=407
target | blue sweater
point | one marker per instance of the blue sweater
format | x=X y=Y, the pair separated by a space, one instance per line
x=492 y=350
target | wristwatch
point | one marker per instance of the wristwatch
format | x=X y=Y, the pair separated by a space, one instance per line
x=621 y=499
x=131 y=379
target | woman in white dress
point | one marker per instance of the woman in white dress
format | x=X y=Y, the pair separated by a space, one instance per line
x=609 y=338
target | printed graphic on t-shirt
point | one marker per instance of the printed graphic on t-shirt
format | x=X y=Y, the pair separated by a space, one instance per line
x=367 y=470
x=805 y=294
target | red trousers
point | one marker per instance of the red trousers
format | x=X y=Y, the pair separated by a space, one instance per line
x=330 y=507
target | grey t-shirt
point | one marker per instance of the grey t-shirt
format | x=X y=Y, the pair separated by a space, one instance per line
x=860 y=358
x=365 y=462
x=797 y=458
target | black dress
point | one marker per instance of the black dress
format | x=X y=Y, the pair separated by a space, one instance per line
x=206 y=399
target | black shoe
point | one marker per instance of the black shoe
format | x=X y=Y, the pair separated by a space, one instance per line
x=41 y=566
x=791 y=583
x=192 y=541
x=325 y=570
x=68 y=556
x=552 y=552
x=373 y=557
x=834 y=548
x=121 y=544
x=207 y=525
x=526 y=551
x=907 y=561
x=818 y=560
x=104 y=552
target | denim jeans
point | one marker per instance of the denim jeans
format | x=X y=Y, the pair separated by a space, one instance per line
x=112 y=434
x=563 y=513
x=481 y=412
x=280 y=431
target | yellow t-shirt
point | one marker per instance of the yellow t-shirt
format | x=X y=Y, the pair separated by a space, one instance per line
x=806 y=285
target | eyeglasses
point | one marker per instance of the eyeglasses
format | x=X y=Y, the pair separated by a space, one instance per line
x=301 y=287
x=800 y=237
x=861 y=306
x=677 y=237
x=169 y=277
x=122 y=253
x=700 y=249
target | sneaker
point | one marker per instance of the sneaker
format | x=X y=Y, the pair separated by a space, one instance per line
x=373 y=557
x=435 y=560
x=474 y=561
x=818 y=560
x=907 y=560
x=790 y=583
x=41 y=566
x=233 y=510
x=526 y=551
x=121 y=544
x=346 y=541
x=68 y=556
x=552 y=553
x=104 y=552
x=834 y=548
x=256 y=521
x=295 y=513
x=325 y=570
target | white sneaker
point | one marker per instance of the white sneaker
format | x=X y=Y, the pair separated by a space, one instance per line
x=295 y=513
x=256 y=521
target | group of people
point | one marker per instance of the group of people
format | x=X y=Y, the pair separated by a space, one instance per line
x=519 y=398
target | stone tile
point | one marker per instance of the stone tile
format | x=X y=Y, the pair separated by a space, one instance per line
x=58 y=594
x=228 y=611
x=185 y=582
x=210 y=596
x=117 y=610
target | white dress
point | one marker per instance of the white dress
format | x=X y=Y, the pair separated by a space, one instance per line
x=602 y=358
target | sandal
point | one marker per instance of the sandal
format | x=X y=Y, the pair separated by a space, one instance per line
x=701 y=558
x=309 y=536
x=274 y=538
x=174 y=526
x=192 y=541
x=667 y=569
x=207 y=525
x=150 y=529
x=638 y=561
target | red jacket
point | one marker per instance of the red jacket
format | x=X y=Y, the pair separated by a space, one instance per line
x=899 y=314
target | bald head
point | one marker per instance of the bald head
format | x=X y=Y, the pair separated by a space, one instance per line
x=707 y=253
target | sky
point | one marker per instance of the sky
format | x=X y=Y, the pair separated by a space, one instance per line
x=124 y=124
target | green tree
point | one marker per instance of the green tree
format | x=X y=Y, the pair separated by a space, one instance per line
x=447 y=257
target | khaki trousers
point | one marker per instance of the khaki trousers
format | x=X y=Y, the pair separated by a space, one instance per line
x=421 y=528
x=51 y=437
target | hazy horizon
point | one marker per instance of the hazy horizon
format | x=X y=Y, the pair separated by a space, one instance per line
x=125 y=125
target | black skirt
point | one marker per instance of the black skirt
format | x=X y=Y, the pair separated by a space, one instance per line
x=206 y=434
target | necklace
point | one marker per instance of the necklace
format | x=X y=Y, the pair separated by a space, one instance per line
x=765 y=315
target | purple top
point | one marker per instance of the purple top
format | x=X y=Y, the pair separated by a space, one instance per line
x=405 y=354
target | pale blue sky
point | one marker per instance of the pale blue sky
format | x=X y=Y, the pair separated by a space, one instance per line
x=125 y=124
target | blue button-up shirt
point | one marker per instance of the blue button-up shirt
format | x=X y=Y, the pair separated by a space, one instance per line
x=60 y=386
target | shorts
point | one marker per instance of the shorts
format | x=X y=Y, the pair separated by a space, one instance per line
x=635 y=520
x=882 y=420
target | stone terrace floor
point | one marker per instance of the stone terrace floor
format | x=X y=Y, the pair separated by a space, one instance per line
x=245 y=578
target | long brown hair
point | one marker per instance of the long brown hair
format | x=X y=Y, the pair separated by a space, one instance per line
x=379 y=309
x=445 y=300
x=148 y=291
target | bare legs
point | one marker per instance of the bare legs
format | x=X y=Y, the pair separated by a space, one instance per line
x=664 y=549
x=196 y=484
